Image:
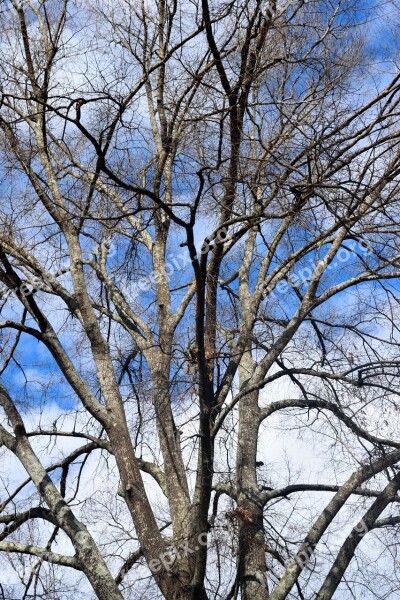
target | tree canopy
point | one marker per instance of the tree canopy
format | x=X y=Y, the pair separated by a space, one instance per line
x=199 y=295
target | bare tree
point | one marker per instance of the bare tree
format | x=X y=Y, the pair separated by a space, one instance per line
x=199 y=260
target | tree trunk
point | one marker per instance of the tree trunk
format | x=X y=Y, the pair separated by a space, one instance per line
x=252 y=567
x=249 y=512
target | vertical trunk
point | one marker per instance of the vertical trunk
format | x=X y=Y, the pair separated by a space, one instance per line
x=249 y=512
x=252 y=568
x=186 y=592
x=176 y=481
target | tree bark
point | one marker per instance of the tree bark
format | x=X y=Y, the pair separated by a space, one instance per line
x=249 y=512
